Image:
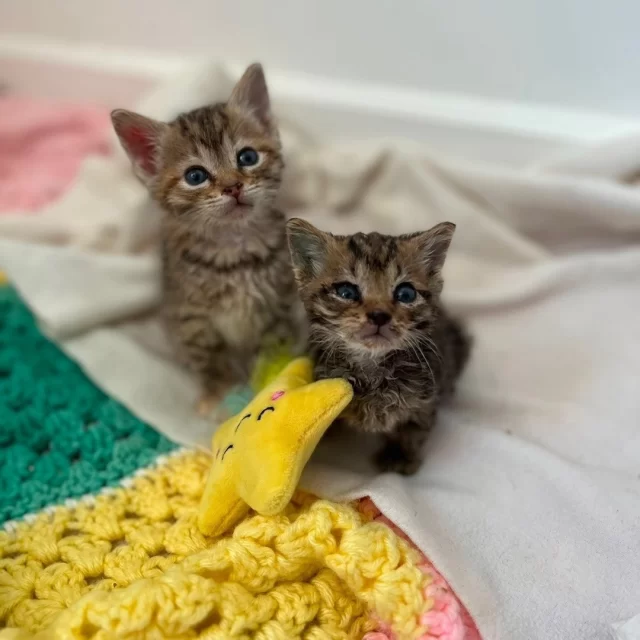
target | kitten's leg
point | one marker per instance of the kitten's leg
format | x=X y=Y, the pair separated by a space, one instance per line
x=215 y=370
x=206 y=354
x=403 y=451
x=218 y=371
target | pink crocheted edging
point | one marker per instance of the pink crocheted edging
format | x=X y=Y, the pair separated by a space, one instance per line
x=448 y=619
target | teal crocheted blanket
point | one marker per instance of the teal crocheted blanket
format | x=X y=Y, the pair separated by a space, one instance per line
x=60 y=436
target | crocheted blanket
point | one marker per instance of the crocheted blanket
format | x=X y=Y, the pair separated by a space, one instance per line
x=100 y=541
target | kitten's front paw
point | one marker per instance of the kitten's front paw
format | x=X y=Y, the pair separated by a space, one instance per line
x=209 y=401
x=393 y=458
x=205 y=405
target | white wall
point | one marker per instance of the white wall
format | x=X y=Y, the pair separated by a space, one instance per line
x=568 y=53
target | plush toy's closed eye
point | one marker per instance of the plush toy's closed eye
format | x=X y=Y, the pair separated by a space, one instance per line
x=225 y=451
x=241 y=421
x=265 y=411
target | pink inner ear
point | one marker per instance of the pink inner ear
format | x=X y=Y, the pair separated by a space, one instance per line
x=141 y=145
x=277 y=394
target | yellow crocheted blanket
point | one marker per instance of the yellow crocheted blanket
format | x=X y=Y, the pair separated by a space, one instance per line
x=131 y=563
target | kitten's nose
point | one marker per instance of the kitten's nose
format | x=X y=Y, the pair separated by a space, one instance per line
x=233 y=190
x=379 y=318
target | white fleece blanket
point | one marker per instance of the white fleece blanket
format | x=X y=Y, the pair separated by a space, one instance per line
x=529 y=499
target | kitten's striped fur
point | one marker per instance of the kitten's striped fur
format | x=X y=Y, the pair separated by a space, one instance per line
x=401 y=376
x=228 y=283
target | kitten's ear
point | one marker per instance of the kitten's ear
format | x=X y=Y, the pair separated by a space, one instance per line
x=140 y=138
x=308 y=247
x=251 y=93
x=433 y=246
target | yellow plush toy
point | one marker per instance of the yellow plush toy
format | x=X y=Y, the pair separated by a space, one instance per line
x=259 y=454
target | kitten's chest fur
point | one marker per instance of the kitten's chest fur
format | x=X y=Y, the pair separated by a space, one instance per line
x=237 y=305
x=385 y=393
x=242 y=290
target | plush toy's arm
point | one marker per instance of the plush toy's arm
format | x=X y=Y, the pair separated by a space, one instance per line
x=221 y=506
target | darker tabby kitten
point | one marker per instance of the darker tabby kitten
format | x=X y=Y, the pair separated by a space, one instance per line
x=373 y=304
x=228 y=283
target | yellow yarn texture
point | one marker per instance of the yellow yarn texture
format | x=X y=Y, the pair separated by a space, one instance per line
x=131 y=563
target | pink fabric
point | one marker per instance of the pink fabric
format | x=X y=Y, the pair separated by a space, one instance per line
x=448 y=619
x=41 y=147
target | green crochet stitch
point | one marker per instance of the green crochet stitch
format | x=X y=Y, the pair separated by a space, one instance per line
x=60 y=436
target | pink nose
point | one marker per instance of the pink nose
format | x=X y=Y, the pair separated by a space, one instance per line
x=233 y=191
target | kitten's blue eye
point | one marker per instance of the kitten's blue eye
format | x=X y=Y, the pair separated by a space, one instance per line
x=405 y=293
x=195 y=176
x=347 y=291
x=247 y=157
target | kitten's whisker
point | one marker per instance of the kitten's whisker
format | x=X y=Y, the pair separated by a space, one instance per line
x=433 y=347
x=422 y=357
x=410 y=346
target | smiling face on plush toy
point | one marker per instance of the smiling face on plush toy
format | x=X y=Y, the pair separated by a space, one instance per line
x=259 y=454
x=245 y=422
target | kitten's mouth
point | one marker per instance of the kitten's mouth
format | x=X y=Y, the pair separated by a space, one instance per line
x=376 y=340
x=377 y=337
x=239 y=209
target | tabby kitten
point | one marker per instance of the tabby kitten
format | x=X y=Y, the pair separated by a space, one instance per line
x=228 y=283
x=373 y=304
